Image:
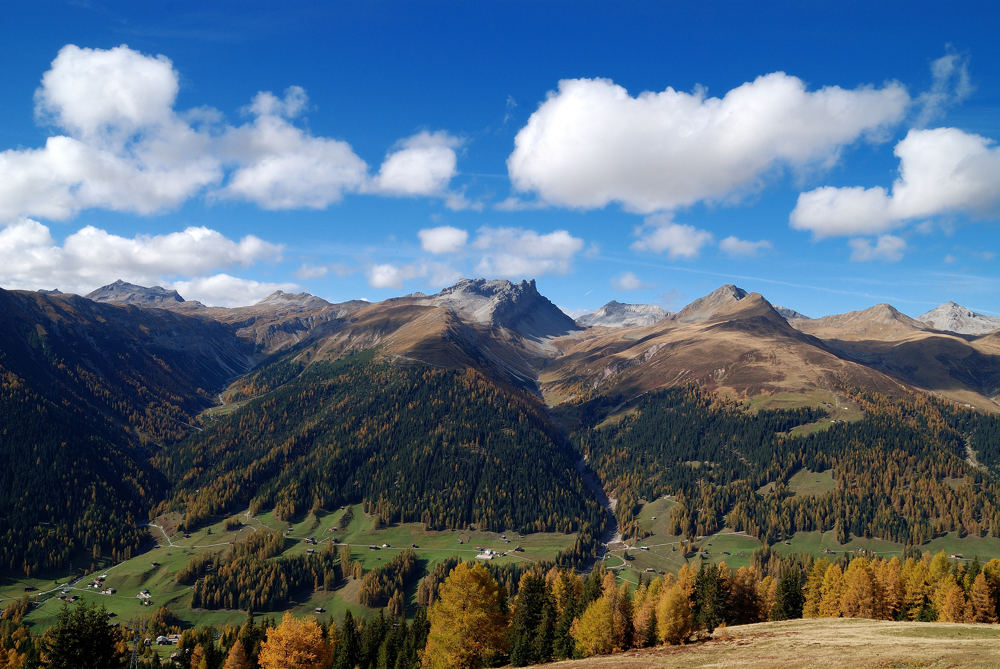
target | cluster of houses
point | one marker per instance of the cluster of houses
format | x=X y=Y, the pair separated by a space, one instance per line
x=146 y=597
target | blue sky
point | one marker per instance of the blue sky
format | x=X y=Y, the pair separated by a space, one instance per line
x=829 y=157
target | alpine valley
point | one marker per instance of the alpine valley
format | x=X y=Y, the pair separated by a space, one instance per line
x=273 y=457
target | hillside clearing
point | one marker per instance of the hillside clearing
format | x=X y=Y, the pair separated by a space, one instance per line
x=836 y=642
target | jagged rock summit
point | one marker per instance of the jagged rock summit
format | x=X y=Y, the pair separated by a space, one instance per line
x=616 y=314
x=280 y=298
x=705 y=307
x=500 y=303
x=787 y=313
x=122 y=292
x=956 y=318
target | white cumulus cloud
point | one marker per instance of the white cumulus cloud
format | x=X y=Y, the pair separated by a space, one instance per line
x=224 y=290
x=443 y=239
x=31 y=258
x=121 y=144
x=388 y=275
x=941 y=171
x=591 y=143
x=423 y=164
x=734 y=246
x=281 y=166
x=660 y=234
x=886 y=247
x=517 y=252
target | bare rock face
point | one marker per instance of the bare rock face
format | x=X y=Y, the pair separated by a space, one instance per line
x=787 y=313
x=122 y=292
x=619 y=315
x=516 y=306
x=953 y=317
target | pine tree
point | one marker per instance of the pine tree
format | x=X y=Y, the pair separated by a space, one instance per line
x=82 y=637
x=348 y=651
x=525 y=619
x=788 y=596
x=711 y=595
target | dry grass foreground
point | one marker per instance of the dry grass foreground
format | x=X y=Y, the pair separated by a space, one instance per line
x=826 y=642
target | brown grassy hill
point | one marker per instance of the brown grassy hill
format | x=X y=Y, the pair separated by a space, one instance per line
x=964 y=368
x=741 y=347
x=825 y=642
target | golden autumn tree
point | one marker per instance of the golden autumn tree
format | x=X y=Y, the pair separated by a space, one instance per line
x=950 y=602
x=674 y=614
x=237 y=658
x=832 y=589
x=859 y=598
x=606 y=626
x=983 y=610
x=813 y=589
x=888 y=576
x=468 y=626
x=644 y=613
x=297 y=643
x=593 y=631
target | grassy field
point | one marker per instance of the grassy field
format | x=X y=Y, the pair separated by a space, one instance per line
x=823 y=642
x=664 y=551
x=837 y=408
x=806 y=483
x=155 y=569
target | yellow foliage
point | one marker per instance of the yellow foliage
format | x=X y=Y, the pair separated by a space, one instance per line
x=593 y=631
x=832 y=589
x=859 y=598
x=468 y=628
x=237 y=658
x=295 y=644
x=674 y=617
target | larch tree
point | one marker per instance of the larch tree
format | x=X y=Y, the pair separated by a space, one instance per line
x=813 y=590
x=237 y=657
x=983 y=609
x=858 y=599
x=674 y=613
x=468 y=627
x=295 y=644
x=833 y=587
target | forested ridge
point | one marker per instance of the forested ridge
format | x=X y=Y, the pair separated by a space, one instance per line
x=415 y=444
x=895 y=469
x=86 y=391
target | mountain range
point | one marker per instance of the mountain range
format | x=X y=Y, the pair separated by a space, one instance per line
x=729 y=340
x=122 y=390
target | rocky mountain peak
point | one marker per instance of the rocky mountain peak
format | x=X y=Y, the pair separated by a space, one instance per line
x=956 y=318
x=501 y=303
x=621 y=315
x=122 y=292
x=787 y=313
x=280 y=298
x=704 y=307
